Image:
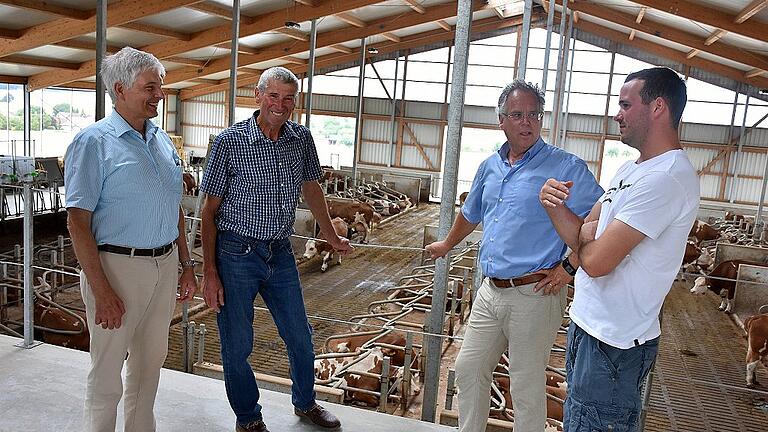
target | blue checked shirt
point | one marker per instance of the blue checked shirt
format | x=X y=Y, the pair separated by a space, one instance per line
x=518 y=236
x=132 y=185
x=259 y=180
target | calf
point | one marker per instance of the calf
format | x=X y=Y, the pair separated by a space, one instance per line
x=323 y=248
x=346 y=210
x=65 y=329
x=725 y=288
x=757 y=345
x=554 y=407
x=360 y=227
x=705 y=232
x=190 y=185
x=354 y=343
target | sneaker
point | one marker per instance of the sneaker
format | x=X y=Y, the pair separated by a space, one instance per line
x=319 y=416
x=256 y=426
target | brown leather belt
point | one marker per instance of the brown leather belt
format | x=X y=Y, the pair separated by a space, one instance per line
x=522 y=280
x=156 y=252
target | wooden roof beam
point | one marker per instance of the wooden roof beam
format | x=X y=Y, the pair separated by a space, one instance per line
x=341 y=48
x=325 y=39
x=632 y=34
x=640 y=14
x=444 y=25
x=416 y=6
x=262 y=23
x=754 y=73
x=672 y=54
x=715 y=36
x=13 y=79
x=241 y=49
x=85 y=45
x=310 y=3
x=44 y=6
x=672 y=34
x=295 y=60
x=37 y=61
x=293 y=33
x=692 y=53
x=698 y=12
x=391 y=36
x=9 y=34
x=160 y=31
x=120 y=12
x=750 y=10
x=186 y=61
x=350 y=19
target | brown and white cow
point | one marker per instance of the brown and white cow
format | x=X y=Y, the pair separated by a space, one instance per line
x=757 y=345
x=65 y=329
x=190 y=184
x=346 y=210
x=355 y=342
x=705 y=232
x=724 y=288
x=554 y=407
x=360 y=227
x=323 y=248
x=371 y=363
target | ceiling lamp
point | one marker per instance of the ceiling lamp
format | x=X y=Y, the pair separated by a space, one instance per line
x=293 y=25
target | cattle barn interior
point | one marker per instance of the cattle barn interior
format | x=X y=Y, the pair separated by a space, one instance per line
x=400 y=140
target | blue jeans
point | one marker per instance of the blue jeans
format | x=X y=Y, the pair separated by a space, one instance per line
x=604 y=383
x=248 y=267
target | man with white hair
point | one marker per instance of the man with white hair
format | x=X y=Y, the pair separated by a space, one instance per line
x=255 y=173
x=123 y=196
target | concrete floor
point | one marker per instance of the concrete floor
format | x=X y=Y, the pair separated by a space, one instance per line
x=43 y=387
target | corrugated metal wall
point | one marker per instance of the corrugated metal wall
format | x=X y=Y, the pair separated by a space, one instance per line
x=206 y=115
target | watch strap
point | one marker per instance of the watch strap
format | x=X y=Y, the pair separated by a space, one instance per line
x=570 y=269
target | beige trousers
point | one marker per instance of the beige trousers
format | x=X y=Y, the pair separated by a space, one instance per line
x=524 y=322
x=147 y=287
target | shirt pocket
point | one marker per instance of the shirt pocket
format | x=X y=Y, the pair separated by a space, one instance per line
x=526 y=200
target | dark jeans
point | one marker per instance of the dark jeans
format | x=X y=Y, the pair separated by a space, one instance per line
x=248 y=267
x=604 y=383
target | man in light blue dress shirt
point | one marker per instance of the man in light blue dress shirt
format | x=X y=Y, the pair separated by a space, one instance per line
x=123 y=196
x=520 y=305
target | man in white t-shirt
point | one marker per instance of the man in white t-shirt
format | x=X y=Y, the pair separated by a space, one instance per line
x=629 y=248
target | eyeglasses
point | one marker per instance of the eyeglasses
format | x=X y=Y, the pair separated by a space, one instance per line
x=518 y=116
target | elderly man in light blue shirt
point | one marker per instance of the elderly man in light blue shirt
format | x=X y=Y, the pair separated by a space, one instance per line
x=123 y=196
x=520 y=305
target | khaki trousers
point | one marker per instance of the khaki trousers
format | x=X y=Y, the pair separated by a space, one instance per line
x=147 y=287
x=524 y=322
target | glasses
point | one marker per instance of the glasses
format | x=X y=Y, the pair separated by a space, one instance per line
x=518 y=116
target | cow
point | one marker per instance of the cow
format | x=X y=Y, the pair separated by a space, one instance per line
x=462 y=198
x=360 y=227
x=355 y=342
x=705 y=232
x=725 y=288
x=371 y=363
x=65 y=329
x=190 y=184
x=323 y=248
x=757 y=345
x=554 y=407
x=347 y=210
x=427 y=300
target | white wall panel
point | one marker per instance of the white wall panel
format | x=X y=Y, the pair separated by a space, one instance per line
x=704 y=133
x=585 y=148
x=710 y=186
x=423 y=110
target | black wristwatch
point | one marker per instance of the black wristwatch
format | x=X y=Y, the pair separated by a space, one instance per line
x=571 y=270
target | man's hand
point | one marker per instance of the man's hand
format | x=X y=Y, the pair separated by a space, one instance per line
x=341 y=245
x=588 y=231
x=438 y=249
x=554 y=192
x=556 y=278
x=187 y=284
x=109 y=307
x=213 y=291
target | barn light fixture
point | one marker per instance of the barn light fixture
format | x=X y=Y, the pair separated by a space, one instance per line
x=292 y=24
x=373 y=50
x=764 y=91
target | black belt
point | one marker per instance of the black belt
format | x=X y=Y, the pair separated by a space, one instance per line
x=523 y=280
x=156 y=252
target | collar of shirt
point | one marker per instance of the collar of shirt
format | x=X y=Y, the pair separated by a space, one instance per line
x=257 y=135
x=122 y=127
x=529 y=154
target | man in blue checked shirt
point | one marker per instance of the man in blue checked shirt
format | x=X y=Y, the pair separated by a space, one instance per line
x=255 y=173
x=520 y=305
x=123 y=197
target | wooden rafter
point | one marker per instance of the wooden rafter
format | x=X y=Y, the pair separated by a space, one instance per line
x=293 y=33
x=241 y=49
x=341 y=48
x=53 y=9
x=261 y=23
x=310 y=3
x=632 y=34
x=391 y=36
x=692 y=53
x=640 y=15
x=672 y=34
x=58 y=30
x=217 y=10
x=416 y=6
x=444 y=25
x=715 y=36
x=407 y=42
x=85 y=45
x=754 y=72
x=324 y=39
x=295 y=60
x=576 y=16
x=672 y=54
x=350 y=19
x=751 y=9
x=707 y=15
x=37 y=61
x=160 y=31
x=9 y=34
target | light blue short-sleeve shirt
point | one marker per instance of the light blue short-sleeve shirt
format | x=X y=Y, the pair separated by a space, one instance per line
x=131 y=184
x=518 y=236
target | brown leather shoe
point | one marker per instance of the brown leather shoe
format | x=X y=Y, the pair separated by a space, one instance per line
x=257 y=426
x=319 y=416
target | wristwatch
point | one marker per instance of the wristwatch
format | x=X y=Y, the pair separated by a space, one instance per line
x=190 y=263
x=571 y=270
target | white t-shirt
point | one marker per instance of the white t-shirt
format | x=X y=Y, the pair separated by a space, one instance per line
x=658 y=197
